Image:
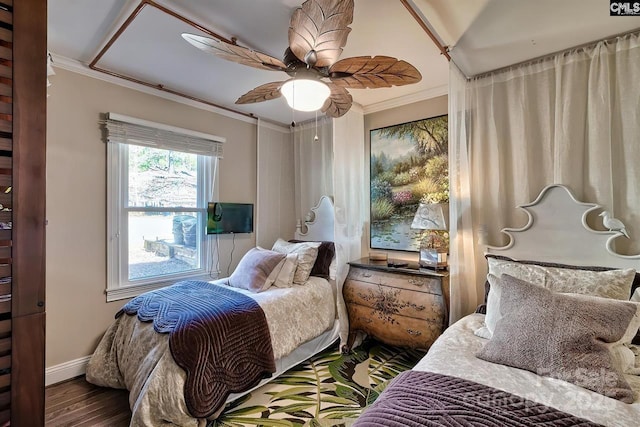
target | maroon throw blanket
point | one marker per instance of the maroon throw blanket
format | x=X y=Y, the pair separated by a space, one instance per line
x=218 y=336
x=417 y=399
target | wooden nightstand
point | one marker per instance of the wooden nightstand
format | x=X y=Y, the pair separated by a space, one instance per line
x=404 y=306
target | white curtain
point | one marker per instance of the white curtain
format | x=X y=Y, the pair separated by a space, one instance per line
x=213 y=192
x=334 y=165
x=348 y=183
x=275 y=200
x=313 y=163
x=573 y=119
x=464 y=294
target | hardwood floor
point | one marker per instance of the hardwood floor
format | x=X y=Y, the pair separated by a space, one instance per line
x=78 y=403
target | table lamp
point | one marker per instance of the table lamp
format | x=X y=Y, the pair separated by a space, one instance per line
x=433 y=247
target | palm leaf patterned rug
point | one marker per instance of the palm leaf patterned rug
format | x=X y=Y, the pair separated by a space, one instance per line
x=330 y=389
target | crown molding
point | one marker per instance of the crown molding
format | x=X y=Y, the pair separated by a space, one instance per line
x=82 y=68
x=407 y=99
x=357 y=108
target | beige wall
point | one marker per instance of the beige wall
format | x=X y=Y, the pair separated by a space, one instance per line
x=77 y=314
x=406 y=113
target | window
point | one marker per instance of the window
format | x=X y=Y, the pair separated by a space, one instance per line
x=159 y=186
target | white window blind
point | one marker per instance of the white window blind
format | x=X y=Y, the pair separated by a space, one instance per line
x=130 y=130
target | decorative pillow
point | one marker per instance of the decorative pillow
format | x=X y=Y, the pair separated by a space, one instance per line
x=634 y=286
x=254 y=269
x=614 y=284
x=287 y=269
x=307 y=253
x=282 y=274
x=568 y=340
x=326 y=253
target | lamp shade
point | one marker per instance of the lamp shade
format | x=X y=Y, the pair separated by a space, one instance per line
x=431 y=216
x=305 y=94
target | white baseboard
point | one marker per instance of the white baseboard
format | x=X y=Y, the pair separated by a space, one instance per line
x=66 y=370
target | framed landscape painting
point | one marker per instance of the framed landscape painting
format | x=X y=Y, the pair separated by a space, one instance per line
x=409 y=166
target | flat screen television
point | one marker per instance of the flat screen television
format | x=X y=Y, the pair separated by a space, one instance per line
x=227 y=218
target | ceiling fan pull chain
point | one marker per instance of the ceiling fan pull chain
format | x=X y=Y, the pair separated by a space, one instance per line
x=293 y=111
x=315 y=138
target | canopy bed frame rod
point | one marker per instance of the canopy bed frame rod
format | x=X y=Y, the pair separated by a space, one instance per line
x=123 y=27
x=423 y=25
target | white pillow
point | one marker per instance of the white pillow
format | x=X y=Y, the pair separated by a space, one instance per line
x=623 y=357
x=307 y=253
x=613 y=284
x=287 y=270
x=333 y=269
x=493 y=313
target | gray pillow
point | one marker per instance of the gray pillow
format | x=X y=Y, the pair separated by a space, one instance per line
x=254 y=269
x=615 y=284
x=564 y=336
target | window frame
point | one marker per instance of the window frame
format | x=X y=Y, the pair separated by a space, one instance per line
x=118 y=284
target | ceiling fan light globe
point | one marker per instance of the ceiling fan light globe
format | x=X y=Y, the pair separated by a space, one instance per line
x=305 y=94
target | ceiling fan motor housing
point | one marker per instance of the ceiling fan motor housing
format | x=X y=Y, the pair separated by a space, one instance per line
x=295 y=67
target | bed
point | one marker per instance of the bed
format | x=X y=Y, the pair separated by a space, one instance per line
x=559 y=352
x=179 y=374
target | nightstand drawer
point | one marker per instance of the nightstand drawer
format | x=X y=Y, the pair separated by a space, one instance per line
x=387 y=301
x=426 y=284
x=395 y=329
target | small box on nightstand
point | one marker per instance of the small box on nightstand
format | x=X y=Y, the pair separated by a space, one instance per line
x=432 y=258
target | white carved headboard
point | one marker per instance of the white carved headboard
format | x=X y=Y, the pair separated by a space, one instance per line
x=557 y=232
x=319 y=226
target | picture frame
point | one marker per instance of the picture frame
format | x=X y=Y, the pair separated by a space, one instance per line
x=408 y=166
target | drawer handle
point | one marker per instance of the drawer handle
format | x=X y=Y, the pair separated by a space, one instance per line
x=416 y=282
x=366 y=274
x=414 y=333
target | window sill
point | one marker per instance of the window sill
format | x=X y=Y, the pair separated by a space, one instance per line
x=125 y=292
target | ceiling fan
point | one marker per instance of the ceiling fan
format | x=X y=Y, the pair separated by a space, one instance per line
x=317 y=33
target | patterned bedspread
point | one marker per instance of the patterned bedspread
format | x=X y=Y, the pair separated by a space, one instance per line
x=416 y=399
x=219 y=337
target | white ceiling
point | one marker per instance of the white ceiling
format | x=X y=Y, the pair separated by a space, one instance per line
x=482 y=35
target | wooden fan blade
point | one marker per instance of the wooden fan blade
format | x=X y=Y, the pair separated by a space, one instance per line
x=319 y=30
x=362 y=72
x=235 y=53
x=338 y=103
x=263 y=92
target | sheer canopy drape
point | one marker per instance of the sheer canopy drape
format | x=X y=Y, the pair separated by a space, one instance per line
x=348 y=175
x=313 y=161
x=334 y=165
x=573 y=119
